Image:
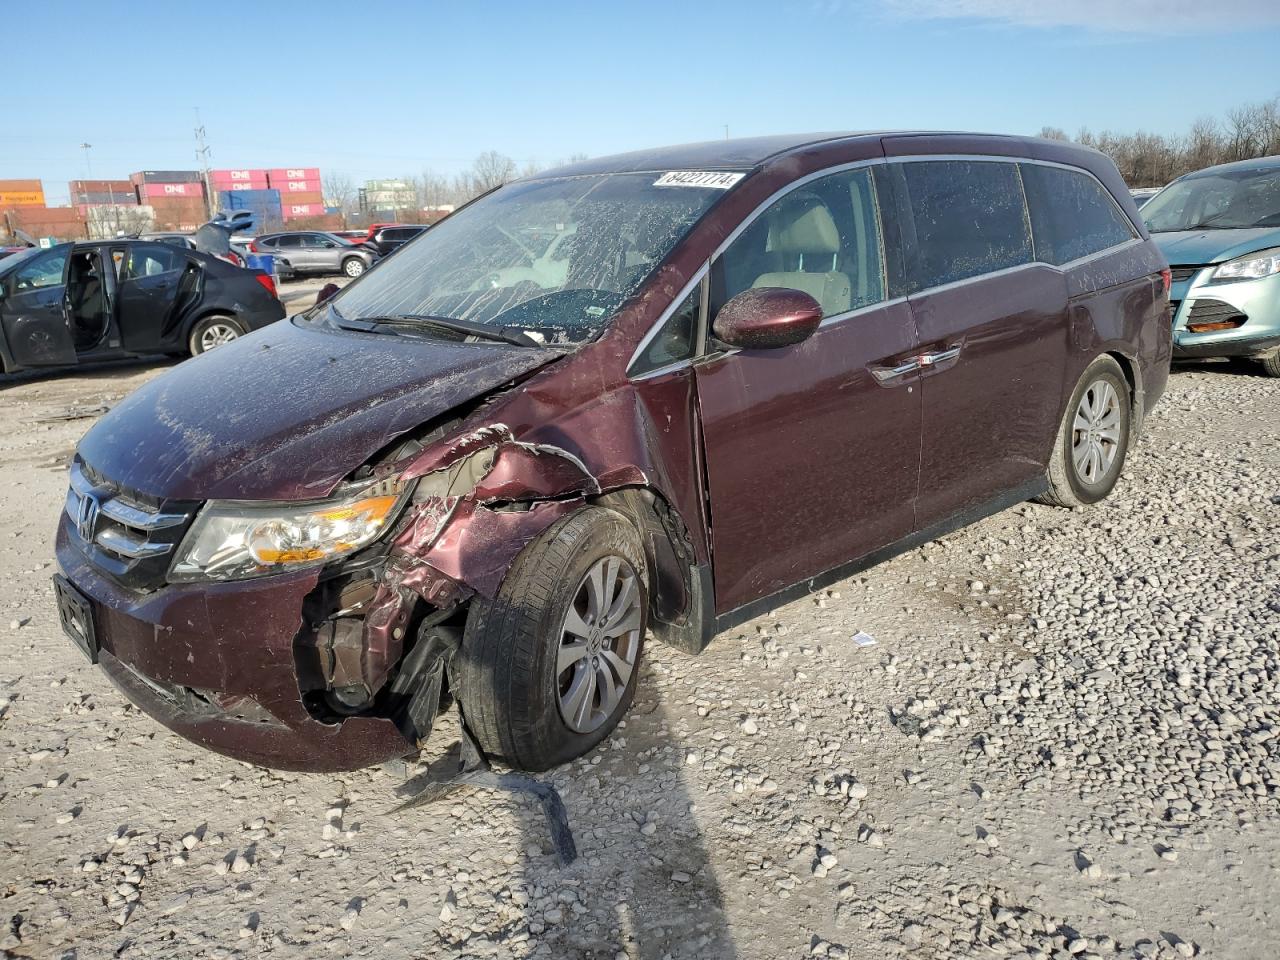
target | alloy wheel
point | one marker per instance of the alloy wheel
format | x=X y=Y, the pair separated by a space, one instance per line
x=353 y=267
x=599 y=644
x=1095 y=432
x=216 y=335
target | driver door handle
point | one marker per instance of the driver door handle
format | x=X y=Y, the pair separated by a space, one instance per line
x=938 y=356
x=886 y=374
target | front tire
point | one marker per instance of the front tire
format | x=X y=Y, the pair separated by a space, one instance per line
x=1271 y=364
x=353 y=267
x=550 y=665
x=1093 y=438
x=213 y=332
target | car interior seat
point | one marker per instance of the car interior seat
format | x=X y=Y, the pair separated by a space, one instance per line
x=804 y=238
x=87 y=301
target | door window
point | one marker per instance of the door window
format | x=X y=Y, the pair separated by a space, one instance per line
x=316 y=242
x=1072 y=214
x=286 y=243
x=42 y=272
x=822 y=238
x=968 y=217
x=151 y=260
x=675 y=341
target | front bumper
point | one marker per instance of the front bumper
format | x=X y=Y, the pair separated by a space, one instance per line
x=215 y=663
x=1258 y=300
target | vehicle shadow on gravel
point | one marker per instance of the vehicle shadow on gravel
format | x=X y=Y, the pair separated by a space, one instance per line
x=643 y=886
x=91 y=373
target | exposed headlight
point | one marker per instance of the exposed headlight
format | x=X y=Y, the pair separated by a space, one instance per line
x=1255 y=266
x=233 y=540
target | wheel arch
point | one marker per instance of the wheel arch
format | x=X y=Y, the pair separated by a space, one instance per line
x=1133 y=376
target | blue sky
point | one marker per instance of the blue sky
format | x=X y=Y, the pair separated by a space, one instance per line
x=378 y=89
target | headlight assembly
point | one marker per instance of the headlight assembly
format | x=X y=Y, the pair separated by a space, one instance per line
x=235 y=540
x=1254 y=266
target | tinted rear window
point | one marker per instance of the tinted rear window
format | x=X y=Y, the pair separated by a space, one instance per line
x=968 y=217
x=1072 y=215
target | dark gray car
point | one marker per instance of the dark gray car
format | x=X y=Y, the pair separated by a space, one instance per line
x=314 y=252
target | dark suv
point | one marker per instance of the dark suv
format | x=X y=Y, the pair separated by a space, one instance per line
x=389 y=239
x=656 y=394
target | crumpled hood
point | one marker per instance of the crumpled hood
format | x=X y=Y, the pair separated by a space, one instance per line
x=287 y=412
x=1196 y=247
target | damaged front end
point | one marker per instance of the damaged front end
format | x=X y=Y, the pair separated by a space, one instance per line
x=380 y=634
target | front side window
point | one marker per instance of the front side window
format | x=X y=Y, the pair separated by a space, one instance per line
x=968 y=217
x=1217 y=200
x=555 y=257
x=1072 y=214
x=41 y=272
x=822 y=238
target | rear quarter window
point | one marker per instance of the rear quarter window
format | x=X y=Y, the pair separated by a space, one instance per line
x=968 y=218
x=1072 y=214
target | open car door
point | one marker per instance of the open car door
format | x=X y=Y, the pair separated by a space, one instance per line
x=34 y=312
x=155 y=279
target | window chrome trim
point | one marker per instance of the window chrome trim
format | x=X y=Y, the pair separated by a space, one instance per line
x=704 y=270
x=698 y=276
x=850 y=314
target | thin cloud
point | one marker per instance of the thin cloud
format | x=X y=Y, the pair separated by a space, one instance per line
x=1128 y=16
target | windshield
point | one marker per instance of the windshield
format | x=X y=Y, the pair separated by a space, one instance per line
x=1221 y=201
x=555 y=258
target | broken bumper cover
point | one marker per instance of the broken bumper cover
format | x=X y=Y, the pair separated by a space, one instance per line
x=215 y=663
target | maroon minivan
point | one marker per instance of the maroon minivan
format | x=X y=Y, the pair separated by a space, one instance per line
x=658 y=393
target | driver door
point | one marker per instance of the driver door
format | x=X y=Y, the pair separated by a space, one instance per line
x=34 y=311
x=813 y=450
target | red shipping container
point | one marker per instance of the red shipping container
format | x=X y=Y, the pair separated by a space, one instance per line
x=313 y=196
x=153 y=191
x=288 y=187
x=101 y=186
x=293 y=173
x=255 y=184
x=242 y=175
x=293 y=211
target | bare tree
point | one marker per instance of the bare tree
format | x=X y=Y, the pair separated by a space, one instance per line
x=339 y=191
x=1151 y=159
x=491 y=169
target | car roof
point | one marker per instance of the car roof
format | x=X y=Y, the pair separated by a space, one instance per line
x=1258 y=164
x=740 y=154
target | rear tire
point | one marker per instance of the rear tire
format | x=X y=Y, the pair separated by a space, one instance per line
x=541 y=681
x=1271 y=364
x=1093 y=438
x=212 y=332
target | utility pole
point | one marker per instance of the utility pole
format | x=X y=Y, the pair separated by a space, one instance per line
x=726 y=131
x=202 y=158
x=88 y=170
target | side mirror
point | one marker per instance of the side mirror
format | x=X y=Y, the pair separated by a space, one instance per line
x=766 y=318
x=327 y=291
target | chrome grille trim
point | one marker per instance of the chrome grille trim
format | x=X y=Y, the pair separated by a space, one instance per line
x=121 y=544
x=119 y=511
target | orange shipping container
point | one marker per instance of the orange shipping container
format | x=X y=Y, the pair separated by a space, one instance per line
x=314 y=197
x=21 y=198
x=21 y=186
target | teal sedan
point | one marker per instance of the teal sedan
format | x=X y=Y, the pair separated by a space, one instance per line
x=1219 y=228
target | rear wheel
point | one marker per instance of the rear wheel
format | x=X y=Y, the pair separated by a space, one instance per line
x=550 y=665
x=1093 y=438
x=211 y=332
x=353 y=267
x=1271 y=364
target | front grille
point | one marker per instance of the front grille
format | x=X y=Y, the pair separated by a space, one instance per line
x=1184 y=273
x=128 y=534
x=1222 y=315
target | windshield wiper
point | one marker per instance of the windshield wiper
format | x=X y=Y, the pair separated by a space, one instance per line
x=510 y=335
x=483 y=330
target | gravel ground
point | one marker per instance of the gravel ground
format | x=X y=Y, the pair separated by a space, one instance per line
x=1064 y=742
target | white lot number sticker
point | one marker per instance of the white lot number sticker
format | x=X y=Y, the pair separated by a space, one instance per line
x=698 y=178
